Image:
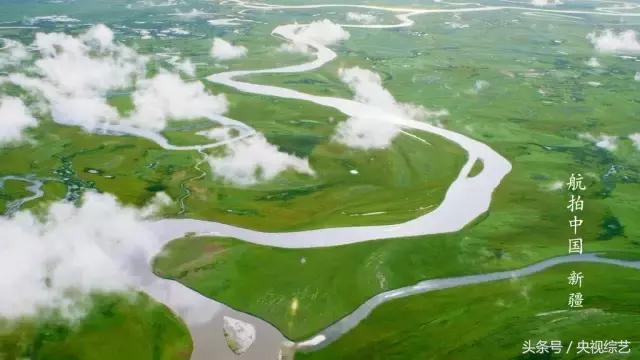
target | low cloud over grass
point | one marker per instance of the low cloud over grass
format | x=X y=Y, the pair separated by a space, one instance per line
x=167 y=96
x=546 y=2
x=252 y=160
x=14 y=119
x=372 y=130
x=635 y=139
x=608 y=41
x=52 y=261
x=223 y=50
x=323 y=32
x=74 y=75
x=362 y=18
x=603 y=141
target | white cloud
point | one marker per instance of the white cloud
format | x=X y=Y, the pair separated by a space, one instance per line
x=456 y=25
x=175 y=31
x=366 y=133
x=166 y=96
x=323 y=32
x=546 y=2
x=186 y=67
x=144 y=34
x=101 y=35
x=367 y=88
x=369 y=131
x=155 y=205
x=150 y=3
x=593 y=62
x=12 y=53
x=478 y=86
x=86 y=111
x=607 y=142
x=217 y=133
x=254 y=159
x=635 y=138
x=14 y=119
x=456 y=22
x=191 y=14
x=96 y=246
x=608 y=41
x=68 y=64
x=71 y=109
x=294 y=47
x=362 y=18
x=224 y=50
x=74 y=74
x=554 y=186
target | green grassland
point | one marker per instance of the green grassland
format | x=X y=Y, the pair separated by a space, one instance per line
x=537 y=103
x=135 y=169
x=329 y=283
x=527 y=223
x=539 y=134
x=528 y=219
x=493 y=320
x=123 y=327
x=12 y=190
x=536 y=106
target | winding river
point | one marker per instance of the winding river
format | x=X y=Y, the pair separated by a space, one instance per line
x=34 y=187
x=466 y=199
x=350 y=321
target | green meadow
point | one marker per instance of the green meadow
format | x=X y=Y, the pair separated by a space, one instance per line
x=494 y=320
x=12 y=190
x=134 y=169
x=515 y=81
x=131 y=325
x=535 y=104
